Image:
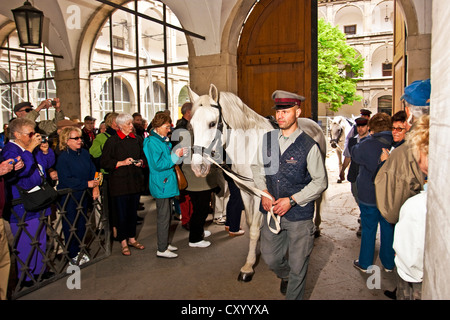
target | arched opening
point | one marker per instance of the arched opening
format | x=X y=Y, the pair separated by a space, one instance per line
x=385 y=104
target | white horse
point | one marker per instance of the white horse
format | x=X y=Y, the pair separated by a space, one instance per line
x=339 y=129
x=227 y=122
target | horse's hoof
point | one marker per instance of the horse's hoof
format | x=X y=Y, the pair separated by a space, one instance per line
x=339 y=181
x=245 y=277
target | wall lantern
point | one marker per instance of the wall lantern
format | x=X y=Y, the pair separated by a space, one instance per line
x=29 y=21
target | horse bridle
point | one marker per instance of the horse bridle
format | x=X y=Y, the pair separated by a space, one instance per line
x=220 y=125
x=336 y=140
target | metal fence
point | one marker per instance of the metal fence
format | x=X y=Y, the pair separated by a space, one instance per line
x=40 y=253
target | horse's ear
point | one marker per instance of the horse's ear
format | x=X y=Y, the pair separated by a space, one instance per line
x=214 y=93
x=192 y=95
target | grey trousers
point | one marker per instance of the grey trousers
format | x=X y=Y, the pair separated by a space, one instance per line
x=164 y=215
x=295 y=238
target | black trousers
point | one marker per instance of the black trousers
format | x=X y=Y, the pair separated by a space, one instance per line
x=126 y=206
x=200 y=203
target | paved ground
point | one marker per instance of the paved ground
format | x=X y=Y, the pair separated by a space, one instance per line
x=211 y=273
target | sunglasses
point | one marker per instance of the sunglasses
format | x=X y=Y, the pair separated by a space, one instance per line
x=29 y=134
x=76 y=138
x=27 y=110
x=398 y=129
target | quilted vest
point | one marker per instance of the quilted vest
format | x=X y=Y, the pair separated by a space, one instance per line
x=292 y=174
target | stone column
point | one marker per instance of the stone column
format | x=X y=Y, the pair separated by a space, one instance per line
x=437 y=239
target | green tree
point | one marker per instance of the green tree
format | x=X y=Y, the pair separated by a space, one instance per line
x=339 y=67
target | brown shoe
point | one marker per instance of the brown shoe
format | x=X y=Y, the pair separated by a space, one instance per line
x=126 y=251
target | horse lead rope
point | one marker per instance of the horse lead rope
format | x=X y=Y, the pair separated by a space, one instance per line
x=257 y=192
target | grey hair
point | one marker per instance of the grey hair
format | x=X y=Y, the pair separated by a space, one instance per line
x=123 y=118
x=418 y=111
x=17 y=124
x=186 y=107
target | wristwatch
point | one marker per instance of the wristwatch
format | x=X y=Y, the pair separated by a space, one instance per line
x=292 y=202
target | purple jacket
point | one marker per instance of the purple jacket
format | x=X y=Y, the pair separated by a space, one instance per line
x=29 y=176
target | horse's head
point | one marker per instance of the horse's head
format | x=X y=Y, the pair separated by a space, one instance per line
x=337 y=130
x=207 y=124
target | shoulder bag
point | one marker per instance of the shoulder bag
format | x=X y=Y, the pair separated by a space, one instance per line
x=182 y=182
x=39 y=197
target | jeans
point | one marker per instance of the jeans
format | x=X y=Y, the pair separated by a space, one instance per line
x=370 y=217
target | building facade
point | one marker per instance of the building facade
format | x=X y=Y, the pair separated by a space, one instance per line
x=368 y=25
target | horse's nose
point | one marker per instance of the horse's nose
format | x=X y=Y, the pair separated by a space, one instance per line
x=333 y=145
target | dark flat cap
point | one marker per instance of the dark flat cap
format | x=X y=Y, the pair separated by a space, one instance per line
x=19 y=106
x=89 y=118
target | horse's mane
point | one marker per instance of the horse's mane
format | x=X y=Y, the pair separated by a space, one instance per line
x=239 y=116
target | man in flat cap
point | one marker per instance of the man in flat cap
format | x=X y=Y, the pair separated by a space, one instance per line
x=294 y=181
x=46 y=127
x=400 y=176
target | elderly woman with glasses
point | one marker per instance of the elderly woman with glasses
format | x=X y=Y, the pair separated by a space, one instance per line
x=123 y=158
x=37 y=158
x=77 y=172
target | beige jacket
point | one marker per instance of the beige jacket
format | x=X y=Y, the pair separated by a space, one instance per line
x=46 y=126
x=397 y=180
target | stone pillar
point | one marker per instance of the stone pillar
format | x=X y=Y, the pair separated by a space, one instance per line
x=218 y=69
x=437 y=239
x=419 y=53
x=73 y=91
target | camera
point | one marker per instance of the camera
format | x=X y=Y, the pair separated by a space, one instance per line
x=44 y=139
x=135 y=161
x=53 y=103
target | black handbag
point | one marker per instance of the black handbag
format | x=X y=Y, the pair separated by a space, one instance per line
x=39 y=197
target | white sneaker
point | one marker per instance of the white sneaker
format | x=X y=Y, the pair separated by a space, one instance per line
x=171 y=248
x=206 y=234
x=200 y=244
x=166 y=254
x=83 y=259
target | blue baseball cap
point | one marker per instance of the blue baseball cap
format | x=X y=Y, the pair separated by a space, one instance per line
x=418 y=93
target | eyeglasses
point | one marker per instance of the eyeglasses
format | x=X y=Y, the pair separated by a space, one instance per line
x=29 y=134
x=398 y=129
x=76 y=138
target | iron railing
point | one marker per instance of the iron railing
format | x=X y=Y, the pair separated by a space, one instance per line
x=95 y=243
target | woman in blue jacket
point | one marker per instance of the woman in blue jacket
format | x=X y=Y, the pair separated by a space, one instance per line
x=163 y=180
x=76 y=171
x=367 y=154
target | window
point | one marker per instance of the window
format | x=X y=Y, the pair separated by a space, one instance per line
x=387 y=69
x=145 y=45
x=114 y=93
x=24 y=74
x=385 y=104
x=118 y=42
x=350 y=29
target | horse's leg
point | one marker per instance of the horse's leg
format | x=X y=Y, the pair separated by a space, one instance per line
x=339 y=155
x=254 y=220
x=317 y=217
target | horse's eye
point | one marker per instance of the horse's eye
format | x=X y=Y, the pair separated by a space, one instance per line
x=212 y=124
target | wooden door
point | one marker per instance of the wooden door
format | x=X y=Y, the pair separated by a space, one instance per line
x=277 y=52
x=399 y=63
